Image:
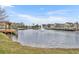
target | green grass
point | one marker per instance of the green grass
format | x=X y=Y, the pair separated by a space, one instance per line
x=7 y=46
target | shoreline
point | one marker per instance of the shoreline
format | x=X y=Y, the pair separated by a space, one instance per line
x=7 y=46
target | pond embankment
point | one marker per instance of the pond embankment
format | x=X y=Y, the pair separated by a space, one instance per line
x=7 y=46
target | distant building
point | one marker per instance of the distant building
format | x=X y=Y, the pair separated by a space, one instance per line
x=69 y=25
x=51 y=26
x=58 y=26
x=5 y=25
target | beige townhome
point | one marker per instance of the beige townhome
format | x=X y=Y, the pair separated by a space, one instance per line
x=5 y=26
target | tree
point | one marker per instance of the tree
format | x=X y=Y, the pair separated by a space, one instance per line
x=3 y=14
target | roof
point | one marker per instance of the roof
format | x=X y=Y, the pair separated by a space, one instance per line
x=5 y=22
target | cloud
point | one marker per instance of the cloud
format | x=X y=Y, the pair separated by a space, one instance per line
x=30 y=19
x=59 y=19
x=26 y=16
x=44 y=20
x=33 y=19
x=58 y=12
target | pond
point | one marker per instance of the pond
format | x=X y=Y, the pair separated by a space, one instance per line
x=49 y=38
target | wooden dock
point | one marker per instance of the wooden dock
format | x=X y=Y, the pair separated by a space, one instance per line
x=8 y=31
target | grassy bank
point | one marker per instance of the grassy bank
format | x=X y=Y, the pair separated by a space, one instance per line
x=10 y=47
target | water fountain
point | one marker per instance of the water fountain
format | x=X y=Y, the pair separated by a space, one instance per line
x=42 y=28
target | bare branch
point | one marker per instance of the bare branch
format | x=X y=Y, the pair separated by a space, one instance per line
x=3 y=14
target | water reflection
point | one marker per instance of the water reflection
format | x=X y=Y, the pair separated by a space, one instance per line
x=49 y=38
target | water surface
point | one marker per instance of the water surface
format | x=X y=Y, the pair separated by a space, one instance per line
x=49 y=38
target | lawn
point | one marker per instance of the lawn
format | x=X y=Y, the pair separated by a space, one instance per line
x=7 y=46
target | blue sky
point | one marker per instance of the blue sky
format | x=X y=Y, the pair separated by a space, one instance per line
x=43 y=14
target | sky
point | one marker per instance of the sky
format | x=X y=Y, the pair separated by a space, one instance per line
x=43 y=14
